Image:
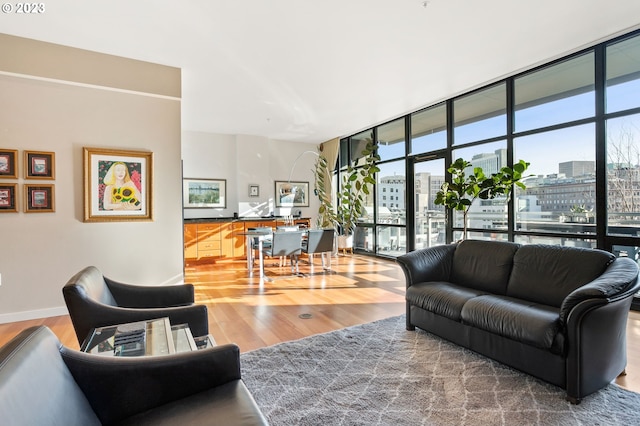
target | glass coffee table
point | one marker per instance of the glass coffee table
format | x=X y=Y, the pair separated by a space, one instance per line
x=144 y=338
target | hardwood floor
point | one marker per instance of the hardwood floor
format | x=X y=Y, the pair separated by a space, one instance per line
x=254 y=314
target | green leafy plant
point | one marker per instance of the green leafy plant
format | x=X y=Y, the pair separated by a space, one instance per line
x=355 y=186
x=465 y=189
x=325 y=211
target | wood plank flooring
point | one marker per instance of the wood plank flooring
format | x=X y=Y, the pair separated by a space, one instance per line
x=254 y=313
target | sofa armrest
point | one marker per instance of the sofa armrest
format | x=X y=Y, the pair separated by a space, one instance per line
x=619 y=281
x=430 y=264
x=118 y=388
x=139 y=296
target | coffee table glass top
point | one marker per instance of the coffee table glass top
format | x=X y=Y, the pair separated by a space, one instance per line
x=144 y=338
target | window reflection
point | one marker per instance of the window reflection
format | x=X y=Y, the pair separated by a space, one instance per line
x=481 y=115
x=557 y=94
x=623 y=75
x=391 y=140
x=429 y=129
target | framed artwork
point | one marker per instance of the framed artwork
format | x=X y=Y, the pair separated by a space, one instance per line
x=8 y=198
x=118 y=185
x=204 y=193
x=8 y=163
x=39 y=165
x=39 y=198
x=289 y=194
x=254 y=190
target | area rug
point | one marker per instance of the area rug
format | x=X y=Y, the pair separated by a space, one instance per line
x=381 y=374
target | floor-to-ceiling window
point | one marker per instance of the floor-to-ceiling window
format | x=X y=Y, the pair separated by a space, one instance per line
x=576 y=120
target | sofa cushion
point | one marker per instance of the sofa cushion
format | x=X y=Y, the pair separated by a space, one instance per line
x=483 y=265
x=546 y=274
x=534 y=324
x=441 y=298
x=229 y=404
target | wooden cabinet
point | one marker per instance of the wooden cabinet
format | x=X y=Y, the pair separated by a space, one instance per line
x=190 y=241
x=202 y=241
x=210 y=241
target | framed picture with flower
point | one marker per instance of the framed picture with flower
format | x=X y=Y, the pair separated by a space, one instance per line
x=118 y=185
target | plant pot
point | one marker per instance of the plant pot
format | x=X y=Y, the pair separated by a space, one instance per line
x=345 y=242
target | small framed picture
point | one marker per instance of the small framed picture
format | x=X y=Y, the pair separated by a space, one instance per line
x=204 y=193
x=8 y=201
x=39 y=165
x=8 y=164
x=39 y=198
x=292 y=194
x=254 y=190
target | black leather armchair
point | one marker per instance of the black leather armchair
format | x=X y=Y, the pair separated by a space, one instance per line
x=94 y=300
x=43 y=382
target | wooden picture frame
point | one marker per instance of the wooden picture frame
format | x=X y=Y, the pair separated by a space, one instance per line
x=8 y=163
x=204 y=193
x=39 y=198
x=8 y=198
x=254 y=190
x=291 y=194
x=39 y=165
x=118 y=185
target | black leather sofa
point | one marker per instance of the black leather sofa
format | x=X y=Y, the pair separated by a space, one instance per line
x=557 y=313
x=44 y=383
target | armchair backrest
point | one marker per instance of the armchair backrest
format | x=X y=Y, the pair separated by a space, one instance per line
x=319 y=240
x=36 y=387
x=90 y=283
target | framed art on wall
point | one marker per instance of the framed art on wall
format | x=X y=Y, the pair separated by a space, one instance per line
x=254 y=190
x=39 y=198
x=8 y=198
x=39 y=165
x=289 y=194
x=204 y=193
x=8 y=163
x=118 y=185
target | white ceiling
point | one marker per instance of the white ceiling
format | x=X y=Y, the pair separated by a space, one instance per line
x=309 y=71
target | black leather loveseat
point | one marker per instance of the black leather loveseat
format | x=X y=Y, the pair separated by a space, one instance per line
x=557 y=313
x=45 y=383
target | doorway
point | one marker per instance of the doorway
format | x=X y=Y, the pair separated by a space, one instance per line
x=430 y=219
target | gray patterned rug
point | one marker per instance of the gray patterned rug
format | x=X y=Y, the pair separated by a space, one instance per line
x=381 y=374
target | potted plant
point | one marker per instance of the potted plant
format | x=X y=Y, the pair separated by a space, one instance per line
x=355 y=185
x=465 y=189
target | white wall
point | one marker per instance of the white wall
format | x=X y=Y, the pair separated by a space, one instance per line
x=63 y=113
x=243 y=160
x=39 y=252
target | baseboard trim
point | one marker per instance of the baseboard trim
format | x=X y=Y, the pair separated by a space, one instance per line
x=30 y=315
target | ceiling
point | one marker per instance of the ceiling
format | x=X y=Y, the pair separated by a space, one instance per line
x=308 y=71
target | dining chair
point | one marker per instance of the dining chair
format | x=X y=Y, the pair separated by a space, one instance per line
x=286 y=244
x=319 y=241
x=255 y=241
